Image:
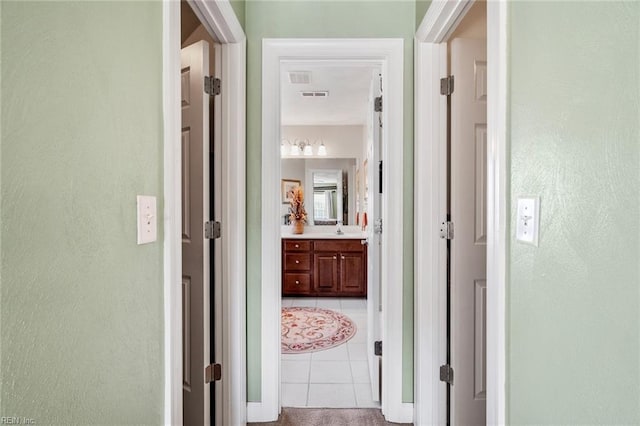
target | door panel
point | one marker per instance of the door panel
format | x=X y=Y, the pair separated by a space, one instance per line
x=352 y=272
x=374 y=209
x=468 y=246
x=325 y=272
x=195 y=249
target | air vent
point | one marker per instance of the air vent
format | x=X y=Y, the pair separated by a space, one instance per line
x=315 y=94
x=300 y=77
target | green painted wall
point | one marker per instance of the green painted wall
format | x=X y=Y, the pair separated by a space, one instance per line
x=421 y=9
x=82 y=304
x=239 y=9
x=299 y=19
x=574 y=302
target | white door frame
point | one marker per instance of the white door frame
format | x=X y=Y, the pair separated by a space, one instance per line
x=389 y=55
x=430 y=207
x=220 y=20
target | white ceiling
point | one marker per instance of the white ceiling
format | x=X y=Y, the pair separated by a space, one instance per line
x=348 y=88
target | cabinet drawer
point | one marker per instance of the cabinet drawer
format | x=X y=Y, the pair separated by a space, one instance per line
x=297 y=245
x=297 y=261
x=338 y=245
x=297 y=283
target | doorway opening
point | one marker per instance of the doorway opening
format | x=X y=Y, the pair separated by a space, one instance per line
x=220 y=21
x=467 y=207
x=330 y=134
x=201 y=204
x=448 y=43
x=387 y=56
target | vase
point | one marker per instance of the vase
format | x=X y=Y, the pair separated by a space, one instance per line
x=298 y=226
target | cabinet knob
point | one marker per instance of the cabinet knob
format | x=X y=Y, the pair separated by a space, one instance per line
x=342 y=257
x=297 y=282
x=297 y=261
x=297 y=245
x=335 y=257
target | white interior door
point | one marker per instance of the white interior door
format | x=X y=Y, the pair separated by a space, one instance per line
x=468 y=246
x=374 y=211
x=195 y=248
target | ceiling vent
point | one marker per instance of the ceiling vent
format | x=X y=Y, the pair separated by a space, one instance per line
x=314 y=94
x=300 y=77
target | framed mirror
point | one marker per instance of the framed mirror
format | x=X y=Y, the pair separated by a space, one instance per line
x=327 y=196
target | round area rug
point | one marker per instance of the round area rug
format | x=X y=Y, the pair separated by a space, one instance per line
x=314 y=329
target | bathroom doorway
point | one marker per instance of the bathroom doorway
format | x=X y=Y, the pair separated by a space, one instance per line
x=330 y=134
x=386 y=55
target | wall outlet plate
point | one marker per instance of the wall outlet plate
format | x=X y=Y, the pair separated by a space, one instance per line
x=528 y=220
x=147 y=218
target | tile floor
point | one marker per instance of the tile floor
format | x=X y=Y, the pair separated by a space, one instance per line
x=334 y=378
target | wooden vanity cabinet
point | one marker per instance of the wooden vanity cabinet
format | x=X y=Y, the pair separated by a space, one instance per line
x=324 y=267
x=296 y=267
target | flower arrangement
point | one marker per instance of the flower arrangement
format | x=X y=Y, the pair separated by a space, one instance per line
x=297 y=213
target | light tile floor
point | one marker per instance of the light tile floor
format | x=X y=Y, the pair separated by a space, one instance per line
x=333 y=378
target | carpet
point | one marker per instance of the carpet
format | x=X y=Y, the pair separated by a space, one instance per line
x=329 y=417
x=314 y=329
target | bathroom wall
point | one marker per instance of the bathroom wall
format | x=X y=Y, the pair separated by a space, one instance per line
x=291 y=19
x=340 y=141
x=81 y=136
x=573 y=342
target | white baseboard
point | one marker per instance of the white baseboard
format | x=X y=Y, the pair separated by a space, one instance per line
x=402 y=414
x=258 y=412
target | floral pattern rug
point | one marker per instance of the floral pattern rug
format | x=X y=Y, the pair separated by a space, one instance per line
x=314 y=329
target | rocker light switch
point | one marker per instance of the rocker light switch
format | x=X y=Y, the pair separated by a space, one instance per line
x=528 y=220
x=147 y=219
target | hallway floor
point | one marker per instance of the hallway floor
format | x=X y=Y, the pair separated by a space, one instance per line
x=333 y=378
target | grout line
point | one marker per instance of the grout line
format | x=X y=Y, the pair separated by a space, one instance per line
x=309 y=380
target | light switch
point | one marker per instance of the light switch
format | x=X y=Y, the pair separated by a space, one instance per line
x=147 y=219
x=528 y=220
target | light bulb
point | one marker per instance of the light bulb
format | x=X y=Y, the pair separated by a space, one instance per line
x=322 y=150
x=283 y=150
x=295 y=151
x=308 y=150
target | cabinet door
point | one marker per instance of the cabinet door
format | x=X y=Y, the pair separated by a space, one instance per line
x=352 y=273
x=325 y=272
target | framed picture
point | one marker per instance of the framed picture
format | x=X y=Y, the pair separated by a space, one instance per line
x=287 y=187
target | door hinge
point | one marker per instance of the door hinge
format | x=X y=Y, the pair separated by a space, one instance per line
x=211 y=86
x=446 y=374
x=377 y=104
x=446 y=230
x=446 y=86
x=212 y=373
x=377 y=226
x=212 y=230
x=377 y=348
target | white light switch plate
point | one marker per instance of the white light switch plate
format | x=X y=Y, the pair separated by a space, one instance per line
x=147 y=219
x=528 y=220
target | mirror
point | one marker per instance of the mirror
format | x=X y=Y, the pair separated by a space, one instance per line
x=327 y=197
x=329 y=181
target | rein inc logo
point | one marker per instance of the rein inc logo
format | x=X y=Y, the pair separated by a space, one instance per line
x=16 y=420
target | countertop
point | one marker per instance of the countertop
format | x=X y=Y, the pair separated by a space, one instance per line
x=324 y=232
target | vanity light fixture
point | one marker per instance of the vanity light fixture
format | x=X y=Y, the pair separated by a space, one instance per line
x=299 y=147
x=322 y=150
x=307 y=150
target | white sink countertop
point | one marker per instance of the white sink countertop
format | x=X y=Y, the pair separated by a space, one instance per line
x=324 y=232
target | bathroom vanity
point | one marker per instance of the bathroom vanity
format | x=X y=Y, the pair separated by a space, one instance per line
x=317 y=264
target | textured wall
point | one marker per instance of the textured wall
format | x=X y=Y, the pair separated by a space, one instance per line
x=421 y=9
x=273 y=19
x=82 y=304
x=573 y=303
x=239 y=8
